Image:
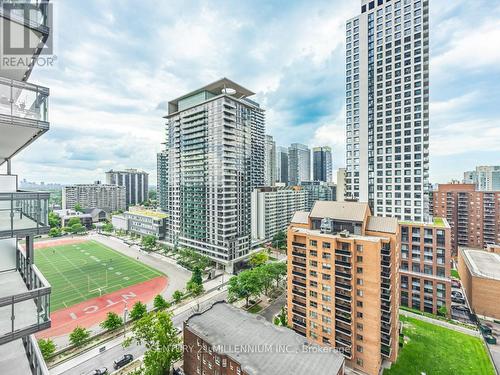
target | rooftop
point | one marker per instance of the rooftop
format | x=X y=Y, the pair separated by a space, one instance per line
x=258 y=345
x=148 y=213
x=382 y=224
x=338 y=236
x=482 y=263
x=436 y=222
x=300 y=217
x=348 y=211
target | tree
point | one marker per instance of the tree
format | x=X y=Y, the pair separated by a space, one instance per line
x=258 y=259
x=112 y=322
x=108 y=227
x=79 y=336
x=194 y=288
x=72 y=221
x=266 y=278
x=54 y=220
x=245 y=285
x=158 y=334
x=278 y=270
x=47 y=347
x=279 y=240
x=152 y=194
x=78 y=208
x=177 y=296
x=138 y=311
x=148 y=242
x=443 y=311
x=159 y=303
x=197 y=277
x=54 y=232
x=77 y=228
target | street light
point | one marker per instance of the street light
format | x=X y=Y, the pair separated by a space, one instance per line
x=125 y=313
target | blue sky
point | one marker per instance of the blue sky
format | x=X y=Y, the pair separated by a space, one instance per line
x=119 y=62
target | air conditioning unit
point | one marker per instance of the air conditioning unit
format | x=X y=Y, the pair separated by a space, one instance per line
x=344 y=234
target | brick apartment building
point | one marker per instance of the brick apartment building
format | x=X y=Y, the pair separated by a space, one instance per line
x=479 y=272
x=474 y=216
x=225 y=340
x=425 y=265
x=342 y=281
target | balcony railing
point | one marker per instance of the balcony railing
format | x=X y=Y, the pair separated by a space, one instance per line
x=23 y=213
x=35 y=356
x=29 y=307
x=15 y=10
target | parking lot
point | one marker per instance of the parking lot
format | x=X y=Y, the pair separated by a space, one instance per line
x=460 y=309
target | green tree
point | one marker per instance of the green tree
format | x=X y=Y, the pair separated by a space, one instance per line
x=79 y=336
x=278 y=270
x=160 y=303
x=47 y=347
x=138 y=311
x=72 y=221
x=177 y=296
x=196 y=277
x=78 y=208
x=77 y=228
x=112 y=322
x=158 y=334
x=54 y=220
x=194 y=288
x=266 y=278
x=148 y=242
x=258 y=259
x=283 y=318
x=152 y=194
x=443 y=311
x=279 y=240
x=54 y=232
x=108 y=227
x=245 y=285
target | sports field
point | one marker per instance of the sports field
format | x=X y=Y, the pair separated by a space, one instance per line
x=84 y=270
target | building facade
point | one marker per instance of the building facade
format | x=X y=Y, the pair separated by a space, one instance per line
x=299 y=163
x=479 y=272
x=273 y=208
x=474 y=216
x=318 y=191
x=270 y=169
x=225 y=340
x=135 y=183
x=24 y=292
x=146 y=223
x=387 y=107
x=109 y=198
x=214 y=158
x=340 y=195
x=425 y=265
x=282 y=164
x=486 y=178
x=342 y=281
x=162 y=176
x=322 y=164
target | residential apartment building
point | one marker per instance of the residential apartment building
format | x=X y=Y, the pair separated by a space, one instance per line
x=425 y=282
x=135 y=182
x=282 y=164
x=474 y=216
x=225 y=340
x=270 y=170
x=340 y=194
x=318 y=191
x=273 y=208
x=486 y=178
x=342 y=281
x=162 y=176
x=24 y=291
x=109 y=198
x=322 y=164
x=387 y=107
x=299 y=163
x=479 y=272
x=214 y=158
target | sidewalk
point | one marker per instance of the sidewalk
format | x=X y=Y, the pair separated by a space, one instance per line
x=441 y=323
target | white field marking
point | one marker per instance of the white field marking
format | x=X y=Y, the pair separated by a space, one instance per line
x=118 y=273
x=110 y=268
x=126 y=278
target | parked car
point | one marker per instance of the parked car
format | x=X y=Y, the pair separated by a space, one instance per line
x=460 y=308
x=457 y=300
x=490 y=339
x=457 y=294
x=99 y=371
x=127 y=358
x=485 y=330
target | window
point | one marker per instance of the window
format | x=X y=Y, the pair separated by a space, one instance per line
x=359 y=348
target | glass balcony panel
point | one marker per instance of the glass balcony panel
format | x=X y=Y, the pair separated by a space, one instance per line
x=23 y=100
x=23 y=213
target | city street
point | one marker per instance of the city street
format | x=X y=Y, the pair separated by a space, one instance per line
x=93 y=359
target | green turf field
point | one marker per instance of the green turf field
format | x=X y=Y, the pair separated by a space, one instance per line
x=77 y=271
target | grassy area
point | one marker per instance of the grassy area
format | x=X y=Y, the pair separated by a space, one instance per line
x=77 y=272
x=436 y=350
x=254 y=309
x=454 y=273
x=438 y=317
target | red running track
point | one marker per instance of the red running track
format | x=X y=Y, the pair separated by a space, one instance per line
x=91 y=312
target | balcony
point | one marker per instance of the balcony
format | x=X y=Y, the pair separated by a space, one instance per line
x=23 y=115
x=22 y=356
x=24 y=295
x=23 y=213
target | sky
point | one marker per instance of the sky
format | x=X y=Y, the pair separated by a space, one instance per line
x=119 y=62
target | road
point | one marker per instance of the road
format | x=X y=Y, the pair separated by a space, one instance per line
x=91 y=360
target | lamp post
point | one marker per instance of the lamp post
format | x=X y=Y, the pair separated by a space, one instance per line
x=125 y=313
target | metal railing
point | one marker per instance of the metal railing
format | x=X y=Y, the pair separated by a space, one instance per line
x=23 y=213
x=39 y=291
x=35 y=357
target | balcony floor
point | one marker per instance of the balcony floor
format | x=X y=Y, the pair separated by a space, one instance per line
x=13 y=359
x=19 y=223
x=25 y=312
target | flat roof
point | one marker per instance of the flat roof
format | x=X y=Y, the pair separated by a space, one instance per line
x=300 y=217
x=382 y=224
x=482 y=263
x=154 y=214
x=258 y=345
x=439 y=222
x=347 y=211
